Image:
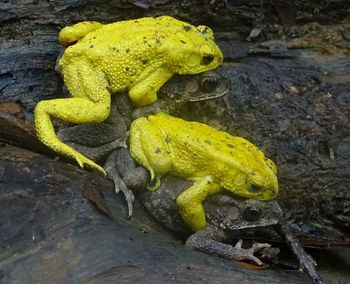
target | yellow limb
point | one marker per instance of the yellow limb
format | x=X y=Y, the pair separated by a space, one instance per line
x=74 y=110
x=90 y=103
x=145 y=92
x=71 y=34
x=149 y=148
x=190 y=202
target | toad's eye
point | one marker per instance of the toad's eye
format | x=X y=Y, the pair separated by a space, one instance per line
x=209 y=85
x=252 y=213
x=206 y=60
x=254 y=188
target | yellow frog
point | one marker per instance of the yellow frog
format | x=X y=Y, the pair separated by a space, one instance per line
x=137 y=55
x=213 y=159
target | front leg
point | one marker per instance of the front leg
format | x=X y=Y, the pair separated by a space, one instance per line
x=210 y=240
x=145 y=92
x=190 y=202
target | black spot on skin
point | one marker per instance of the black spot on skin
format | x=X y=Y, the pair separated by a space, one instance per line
x=157 y=40
x=208 y=142
x=94 y=37
x=167 y=139
x=205 y=31
x=186 y=28
x=91 y=46
x=162 y=36
x=126 y=69
x=144 y=61
x=253 y=173
x=208 y=182
x=182 y=41
x=157 y=151
x=136 y=21
x=230 y=145
x=115 y=49
x=127 y=50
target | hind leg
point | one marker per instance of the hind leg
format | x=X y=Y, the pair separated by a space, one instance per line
x=90 y=103
x=149 y=148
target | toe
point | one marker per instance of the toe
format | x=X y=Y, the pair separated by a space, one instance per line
x=258 y=246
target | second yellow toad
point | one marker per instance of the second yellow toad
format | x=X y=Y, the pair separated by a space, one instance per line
x=212 y=159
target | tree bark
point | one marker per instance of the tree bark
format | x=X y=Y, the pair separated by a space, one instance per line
x=290 y=72
x=49 y=233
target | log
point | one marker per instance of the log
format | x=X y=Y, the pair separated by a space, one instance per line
x=290 y=83
x=50 y=233
x=289 y=67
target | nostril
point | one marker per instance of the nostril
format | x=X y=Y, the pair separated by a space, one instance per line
x=207 y=59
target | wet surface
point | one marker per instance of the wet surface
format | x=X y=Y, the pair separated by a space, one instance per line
x=57 y=235
x=289 y=96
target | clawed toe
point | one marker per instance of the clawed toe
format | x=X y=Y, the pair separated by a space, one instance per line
x=129 y=198
x=81 y=160
x=259 y=246
x=119 y=185
x=248 y=254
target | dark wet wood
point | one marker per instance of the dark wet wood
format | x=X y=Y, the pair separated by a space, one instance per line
x=49 y=233
x=306 y=262
x=289 y=97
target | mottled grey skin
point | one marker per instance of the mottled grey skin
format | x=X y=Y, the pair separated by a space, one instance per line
x=98 y=140
x=225 y=214
x=101 y=138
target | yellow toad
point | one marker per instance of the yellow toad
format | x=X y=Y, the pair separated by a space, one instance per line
x=212 y=159
x=137 y=55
